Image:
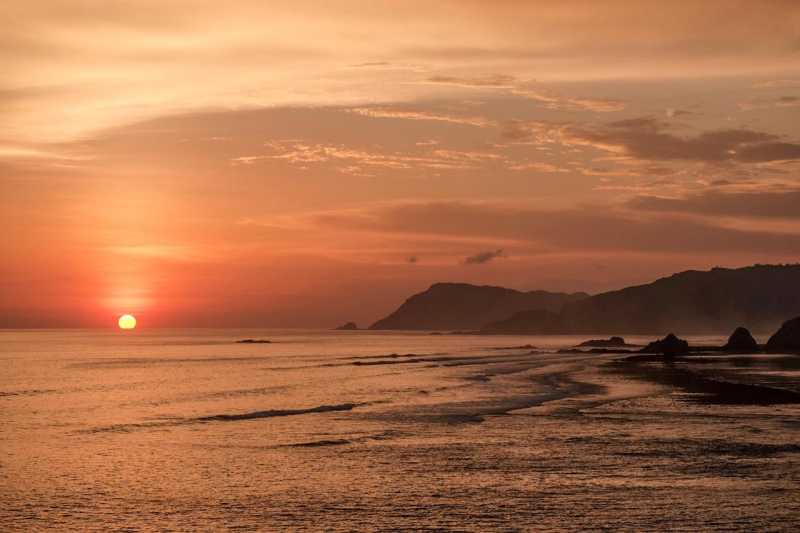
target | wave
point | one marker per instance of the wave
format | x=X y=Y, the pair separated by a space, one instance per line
x=236 y=417
x=152 y=361
x=73 y=390
x=29 y=392
x=385 y=435
x=278 y=412
x=695 y=447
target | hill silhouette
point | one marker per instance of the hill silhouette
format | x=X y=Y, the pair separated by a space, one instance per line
x=547 y=322
x=452 y=306
x=760 y=297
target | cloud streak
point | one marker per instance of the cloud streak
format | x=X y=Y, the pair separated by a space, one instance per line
x=484 y=257
x=760 y=204
x=576 y=229
x=359 y=160
x=385 y=112
x=650 y=139
x=532 y=91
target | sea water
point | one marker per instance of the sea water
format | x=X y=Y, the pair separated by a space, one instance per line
x=188 y=430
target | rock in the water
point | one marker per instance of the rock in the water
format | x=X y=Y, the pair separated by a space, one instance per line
x=349 y=326
x=253 y=341
x=669 y=346
x=611 y=342
x=741 y=341
x=787 y=338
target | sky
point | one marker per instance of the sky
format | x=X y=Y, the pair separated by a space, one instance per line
x=304 y=164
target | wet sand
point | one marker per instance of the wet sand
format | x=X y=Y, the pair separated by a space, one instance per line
x=758 y=379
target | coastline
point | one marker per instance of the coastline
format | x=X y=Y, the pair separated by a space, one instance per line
x=714 y=379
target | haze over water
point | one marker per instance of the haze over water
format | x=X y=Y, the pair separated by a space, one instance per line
x=187 y=430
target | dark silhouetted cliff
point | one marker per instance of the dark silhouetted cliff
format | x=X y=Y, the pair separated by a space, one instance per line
x=546 y=322
x=463 y=306
x=787 y=338
x=760 y=297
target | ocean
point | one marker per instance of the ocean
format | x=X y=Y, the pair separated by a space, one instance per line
x=187 y=430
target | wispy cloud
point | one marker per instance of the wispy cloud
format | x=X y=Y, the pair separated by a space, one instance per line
x=778 y=84
x=553 y=100
x=781 y=101
x=760 y=204
x=650 y=139
x=629 y=228
x=387 y=112
x=483 y=257
x=358 y=160
x=533 y=91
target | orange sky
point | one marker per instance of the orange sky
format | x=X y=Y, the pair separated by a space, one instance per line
x=307 y=163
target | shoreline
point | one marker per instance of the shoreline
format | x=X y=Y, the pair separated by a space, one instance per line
x=692 y=376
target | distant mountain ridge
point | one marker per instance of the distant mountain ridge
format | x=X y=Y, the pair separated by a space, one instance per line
x=453 y=306
x=759 y=297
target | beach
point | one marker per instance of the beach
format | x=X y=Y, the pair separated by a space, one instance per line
x=186 y=430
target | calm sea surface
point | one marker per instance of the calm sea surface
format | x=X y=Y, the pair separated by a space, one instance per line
x=338 y=431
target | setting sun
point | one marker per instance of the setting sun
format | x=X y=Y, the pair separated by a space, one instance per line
x=127 y=322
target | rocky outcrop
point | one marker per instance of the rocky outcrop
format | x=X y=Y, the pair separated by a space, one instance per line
x=611 y=342
x=348 y=326
x=461 y=306
x=787 y=338
x=741 y=341
x=669 y=346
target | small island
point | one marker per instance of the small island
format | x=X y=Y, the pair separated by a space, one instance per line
x=347 y=326
x=254 y=341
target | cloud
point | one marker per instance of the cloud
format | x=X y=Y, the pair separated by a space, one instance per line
x=650 y=139
x=30 y=152
x=538 y=166
x=782 y=101
x=386 y=112
x=553 y=100
x=169 y=51
x=369 y=64
x=353 y=160
x=777 y=84
x=483 y=257
x=671 y=112
x=533 y=91
x=765 y=152
x=762 y=204
x=535 y=131
x=588 y=229
x=497 y=81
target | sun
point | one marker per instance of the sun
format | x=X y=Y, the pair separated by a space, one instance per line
x=127 y=322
